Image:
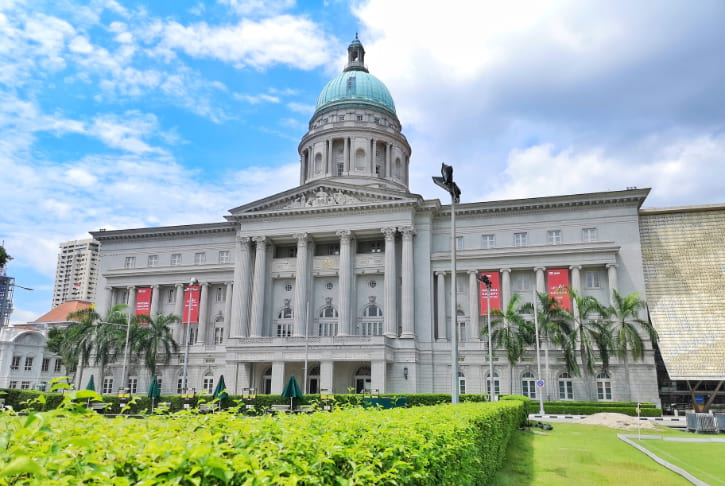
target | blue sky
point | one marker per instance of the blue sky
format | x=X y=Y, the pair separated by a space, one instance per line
x=128 y=114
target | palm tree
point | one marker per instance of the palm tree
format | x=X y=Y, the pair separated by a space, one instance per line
x=77 y=342
x=623 y=317
x=153 y=339
x=589 y=334
x=554 y=326
x=109 y=338
x=512 y=333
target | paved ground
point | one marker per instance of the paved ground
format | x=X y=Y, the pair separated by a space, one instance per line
x=677 y=422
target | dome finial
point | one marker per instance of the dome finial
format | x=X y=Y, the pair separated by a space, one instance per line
x=355 y=56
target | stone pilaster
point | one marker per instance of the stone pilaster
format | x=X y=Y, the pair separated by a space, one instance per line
x=179 y=311
x=300 y=310
x=505 y=288
x=407 y=291
x=260 y=273
x=228 y=308
x=154 y=301
x=345 y=276
x=390 y=310
x=239 y=319
x=441 y=298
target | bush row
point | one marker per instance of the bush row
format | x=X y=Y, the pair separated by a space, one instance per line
x=590 y=409
x=606 y=404
x=444 y=444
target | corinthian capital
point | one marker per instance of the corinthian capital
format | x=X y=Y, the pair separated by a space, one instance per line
x=408 y=231
x=389 y=233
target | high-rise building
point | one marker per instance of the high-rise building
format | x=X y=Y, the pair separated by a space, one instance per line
x=77 y=271
x=7 y=285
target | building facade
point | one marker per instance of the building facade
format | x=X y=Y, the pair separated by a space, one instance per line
x=345 y=280
x=76 y=273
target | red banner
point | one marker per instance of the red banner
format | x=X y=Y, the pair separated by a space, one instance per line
x=192 y=294
x=143 y=301
x=557 y=283
x=493 y=276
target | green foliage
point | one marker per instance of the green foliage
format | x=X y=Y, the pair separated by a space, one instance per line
x=460 y=444
x=524 y=418
x=592 y=409
x=4 y=257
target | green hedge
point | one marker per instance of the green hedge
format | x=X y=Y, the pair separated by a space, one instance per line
x=460 y=444
x=603 y=404
x=590 y=409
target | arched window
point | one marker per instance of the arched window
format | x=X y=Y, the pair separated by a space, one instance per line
x=360 y=159
x=373 y=310
x=528 y=385
x=363 y=380
x=267 y=381
x=284 y=329
x=318 y=163
x=219 y=329
x=461 y=383
x=462 y=335
x=604 y=387
x=566 y=387
x=328 y=311
x=496 y=384
x=371 y=323
x=397 y=168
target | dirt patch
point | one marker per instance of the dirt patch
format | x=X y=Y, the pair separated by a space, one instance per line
x=617 y=421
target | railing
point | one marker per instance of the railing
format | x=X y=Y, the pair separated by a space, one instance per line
x=325 y=327
x=369 y=327
x=283 y=327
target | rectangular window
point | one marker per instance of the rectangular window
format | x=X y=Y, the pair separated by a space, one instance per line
x=523 y=282
x=15 y=364
x=604 y=390
x=488 y=241
x=171 y=296
x=199 y=258
x=459 y=242
x=45 y=364
x=376 y=247
x=340 y=169
x=25 y=385
x=224 y=256
x=132 y=384
x=333 y=250
x=153 y=261
x=56 y=367
x=179 y=385
x=589 y=235
x=107 y=385
x=553 y=237
x=209 y=384
x=521 y=239
x=292 y=252
x=175 y=259
x=591 y=279
x=129 y=262
x=219 y=294
x=566 y=391
x=218 y=335
x=28 y=363
x=13 y=384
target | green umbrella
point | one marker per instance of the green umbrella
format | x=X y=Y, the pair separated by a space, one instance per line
x=91 y=384
x=292 y=390
x=154 y=391
x=220 y=391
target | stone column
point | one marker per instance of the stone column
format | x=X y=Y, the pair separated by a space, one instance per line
x=505 y=288
x=327 y=372
x=388 y=167
x=131 y=302
x=473 y=301
x=540 y=279
x=240 y=298
x=576 y=285
x=179 y=311
x=345 y=276
x=407 y=291
x=228 y=309
x=391 y=289
x=441 y=280
x=372 y=157
x=346 y=155
x=108 y=297
x=300 y=309
x=260 y=269
x=612 y=277
x=377 y=375
x=154 y=300
x=277 y=377
x=203 y=311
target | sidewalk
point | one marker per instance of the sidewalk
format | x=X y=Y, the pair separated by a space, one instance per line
x=672 y=421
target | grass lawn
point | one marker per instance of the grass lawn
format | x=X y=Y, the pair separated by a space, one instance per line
x=702 y=460
x=574 y=454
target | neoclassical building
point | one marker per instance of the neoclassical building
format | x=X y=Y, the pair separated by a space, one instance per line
x=348 y=275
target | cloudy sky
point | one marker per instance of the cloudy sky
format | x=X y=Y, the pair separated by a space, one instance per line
x=141 y=113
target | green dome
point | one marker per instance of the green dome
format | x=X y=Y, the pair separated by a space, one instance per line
x=356 y=87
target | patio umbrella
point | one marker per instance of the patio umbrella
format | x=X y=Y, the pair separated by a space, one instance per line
x=292 y=390
x=154 y=391
x=91 y=384
x=220 y=391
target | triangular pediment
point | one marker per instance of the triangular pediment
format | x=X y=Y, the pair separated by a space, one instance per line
x=324 y=196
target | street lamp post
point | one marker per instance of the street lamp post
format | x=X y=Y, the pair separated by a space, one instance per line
x=487 y=282
x=446 y=182
x=538 y=360
x=187 y=337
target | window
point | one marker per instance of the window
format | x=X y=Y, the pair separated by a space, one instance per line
x=208 y=384
x=218 y=335
x=604 y=387
x=333 y=250
x=340 y=168
x=58 y=363
x=199 y=258
x=107 y=385
x=15 y=364
x=523 y=282
x=496 y=384
x=224 y=256
x=589 y=235
x=488 y=241
x=359 y=118
x=193 y=335
x=528 y=385
x=553 y=237
x=129 y=262
x=13 y=384
x=288 y=287
x=591 y=279
x=179 y=386
x=521 y=239
x=461 y=383
x=45 y=364
x=132 y=384
x=372 y=284
x=175 y=259
x=459 y=242
x=171 y=296
x=219 y=294
x=329 y=285
x=376 y=247
x=28 y=363
x=328 y=312
x=462 y=336
x=25 y=385
x=566 y=388
x=153 y=261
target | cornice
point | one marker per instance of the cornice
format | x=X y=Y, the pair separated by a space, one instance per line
x=599 y=247
x=163 y=231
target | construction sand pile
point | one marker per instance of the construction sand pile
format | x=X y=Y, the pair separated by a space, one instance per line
x=617 y=421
